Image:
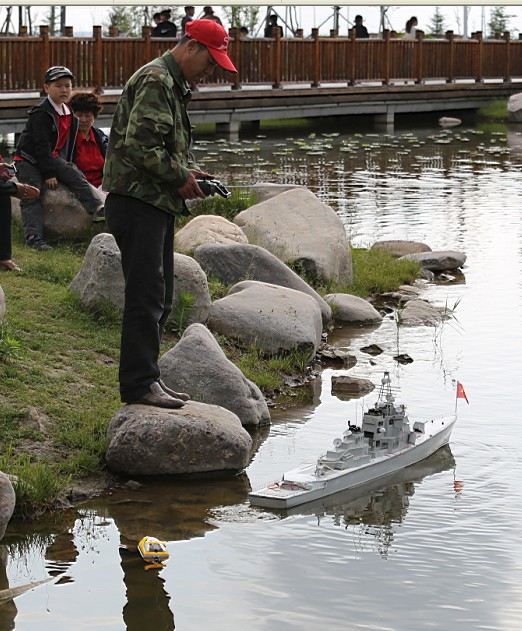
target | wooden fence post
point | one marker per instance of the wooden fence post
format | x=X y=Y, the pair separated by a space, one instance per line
x=22 y=30
x=147 y=44
x=507 y=39
x=277 y=57
x=387 y=55
x=68 y=31
x=451 y=42
x=97 y=57
x=350 y=62
x=238 y=48
x=317 y=58
x=45 y=53
x=113 y=31
x=480 y=57
x=419 y=35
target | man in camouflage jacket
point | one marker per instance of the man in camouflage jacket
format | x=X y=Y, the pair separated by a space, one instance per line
x=149 y=173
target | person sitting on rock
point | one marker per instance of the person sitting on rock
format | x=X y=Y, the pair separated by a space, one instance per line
x=44 y=155
x=91 y=142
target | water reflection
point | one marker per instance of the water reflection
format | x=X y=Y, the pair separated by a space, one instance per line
x=8 y=608
x=374 y=509
x=148 y=604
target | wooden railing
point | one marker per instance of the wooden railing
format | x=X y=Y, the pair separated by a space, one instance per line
x=107 y=62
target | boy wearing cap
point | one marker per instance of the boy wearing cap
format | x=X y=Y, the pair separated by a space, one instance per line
x=149 y=173
x=45 y=151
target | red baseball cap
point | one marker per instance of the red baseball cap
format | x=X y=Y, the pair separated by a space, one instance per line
x=214 y=37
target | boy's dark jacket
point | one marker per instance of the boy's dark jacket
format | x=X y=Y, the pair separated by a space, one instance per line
x=38 y=140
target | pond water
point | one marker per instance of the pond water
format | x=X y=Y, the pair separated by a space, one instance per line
x=440 y=547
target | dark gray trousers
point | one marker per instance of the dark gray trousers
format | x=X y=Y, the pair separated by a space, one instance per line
x=67 y=173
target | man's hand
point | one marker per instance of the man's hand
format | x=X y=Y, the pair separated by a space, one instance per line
x=51 y=183
x=4 y=173
x=191 y=190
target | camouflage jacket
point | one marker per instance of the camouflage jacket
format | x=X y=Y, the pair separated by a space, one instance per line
x=149 y=145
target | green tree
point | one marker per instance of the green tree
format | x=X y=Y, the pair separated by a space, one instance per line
x=437 y=25
x=498 y=20
x=129 y=20
x=242 y=15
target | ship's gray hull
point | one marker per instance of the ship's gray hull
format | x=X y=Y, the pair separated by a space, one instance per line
x=351 y=478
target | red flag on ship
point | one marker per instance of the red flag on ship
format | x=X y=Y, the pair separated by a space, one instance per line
x=460 y=392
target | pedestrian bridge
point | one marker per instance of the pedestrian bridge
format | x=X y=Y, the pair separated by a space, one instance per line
x=279 y=77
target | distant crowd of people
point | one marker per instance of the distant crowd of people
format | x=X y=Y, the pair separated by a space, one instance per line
x=164 y=27
x=361 y=32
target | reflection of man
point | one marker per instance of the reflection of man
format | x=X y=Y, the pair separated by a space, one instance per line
x=149 y=173
x=8 y=609
x=147 y=604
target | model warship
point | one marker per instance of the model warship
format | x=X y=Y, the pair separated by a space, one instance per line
x=384 y=443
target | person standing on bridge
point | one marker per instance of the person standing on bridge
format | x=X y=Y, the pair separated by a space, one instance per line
x=149 y=173
x=411 y=28
x=361 y=32
x=164 y=28
x=188 y=17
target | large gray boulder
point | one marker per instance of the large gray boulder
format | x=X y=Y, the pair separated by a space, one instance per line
x=400 y=248
x=266 y=190
x=274 y=319
x=100 y=279
x=64 y=215
x=197 y=438
x=297 y=227
x=233 y=263
x=197 y=365
x=7 y=502
x=2 y=304
x=189 y=278
x=347 y=308
x=207 y=229
x=437 y=261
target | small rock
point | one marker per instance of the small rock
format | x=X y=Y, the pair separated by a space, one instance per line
x=420 y=312
x=400 y=248
x=437 y=261
x=347 y=309
x=372 y=349
x=351 y=385
x=338 y=355
x=446 y=122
